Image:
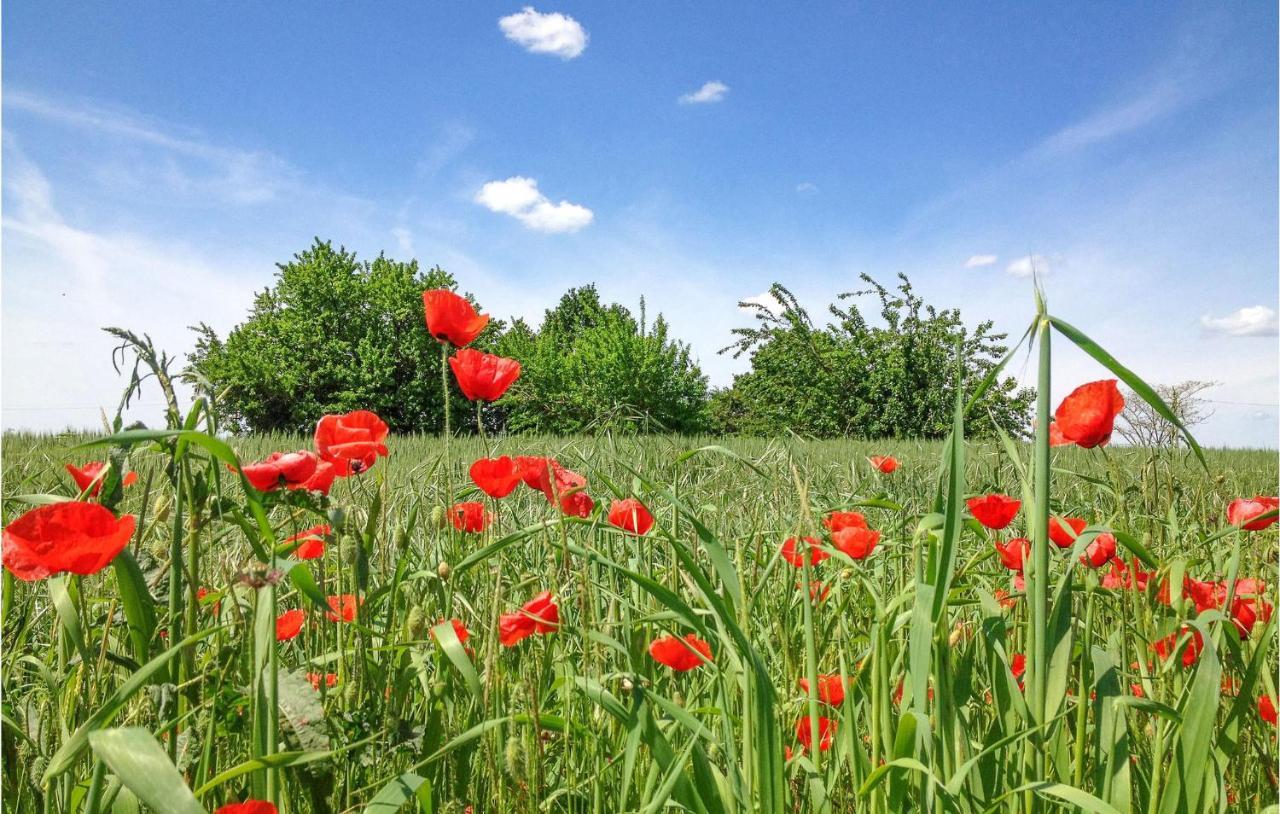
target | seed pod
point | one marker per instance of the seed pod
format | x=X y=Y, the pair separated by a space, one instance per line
x=161 y=510
x=513 y=758
x=443 y=570
x=416 y=623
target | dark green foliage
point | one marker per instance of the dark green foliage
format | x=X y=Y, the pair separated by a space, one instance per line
x=333 y=334
x=594 y=367
x=851 y=378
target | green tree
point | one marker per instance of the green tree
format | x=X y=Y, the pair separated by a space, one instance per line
x=850 y=378
x=593 y=367
x=332 y=334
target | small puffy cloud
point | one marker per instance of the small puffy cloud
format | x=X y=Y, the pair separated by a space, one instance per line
x=1255 y=320
x=766 y=299
x=806 y=188
x=539 y=33
x=520 y=198
x=712 y=91
x=977 y=261
x=404 y=240
x=1031 y=264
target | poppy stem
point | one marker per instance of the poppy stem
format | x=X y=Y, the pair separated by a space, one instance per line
x=444 y=392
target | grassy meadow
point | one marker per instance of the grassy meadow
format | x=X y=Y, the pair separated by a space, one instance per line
x=584 y=719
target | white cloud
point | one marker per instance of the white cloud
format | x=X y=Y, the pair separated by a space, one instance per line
x=806 y=188
x=520 y=198
x=1255 y=320
x=538 y=33
x=766 y=299
x=980 y=260
x=1031 y=264
x=712 y=91
x=404 y=240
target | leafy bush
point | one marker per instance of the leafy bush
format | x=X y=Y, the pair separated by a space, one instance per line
x=850 y=378
x=333 y=334
x=593 y=367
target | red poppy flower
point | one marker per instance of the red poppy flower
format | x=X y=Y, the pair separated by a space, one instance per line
x=830 y=689
x=1018 y=665
x=1100 y=551
x=352 y=442
x=1267 y=709
x=1087 y=416
x=215 y=606
x=1244 y=615
x=330 y=680
x=535 y=470
x=80 y=538
x=791 y=551
x=251 y=806
x=450 y=318
x=310 y=542
x=1062 y=537
x=994 y=511
x=564 y=487
x=1168 y=646
x=680 y=654
x=496 y=477
x=539 y=615
x=578 y=504
x=1120 y=577
x=1242 y=511
x=826 y=732
x=289 y=624
x=630 y=515
x=483 y=376
x=342 y=608
x=838 y=521
x=1013 y=554
x=322 y=479
x=855 y=542
x=291 y=469
x=90 y=474
x=885 y=463
x=1056 y=438
x=818 y=590
x=1205 y=595
x=459 y=630
x=1002 y=597
x=471 y=517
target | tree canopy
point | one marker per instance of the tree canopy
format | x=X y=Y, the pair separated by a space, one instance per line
x=334 y=333
x=896 y=380
x=594 y=367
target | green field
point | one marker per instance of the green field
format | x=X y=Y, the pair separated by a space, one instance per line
x=583 y=719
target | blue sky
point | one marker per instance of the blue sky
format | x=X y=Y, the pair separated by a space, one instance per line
x=160 y=158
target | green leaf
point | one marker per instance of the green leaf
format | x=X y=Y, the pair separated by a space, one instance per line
x=143 y=767
x=107 y=710
x=1136 y=384
x=405 y=788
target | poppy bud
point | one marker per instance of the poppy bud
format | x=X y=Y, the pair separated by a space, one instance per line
x=402 y=540
x=513 y=758
x=337 y=519
x=443 y=570
x=438 y=689
x=437 y=517
x=160 y=512
x=416 y=624
x=627 y=686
